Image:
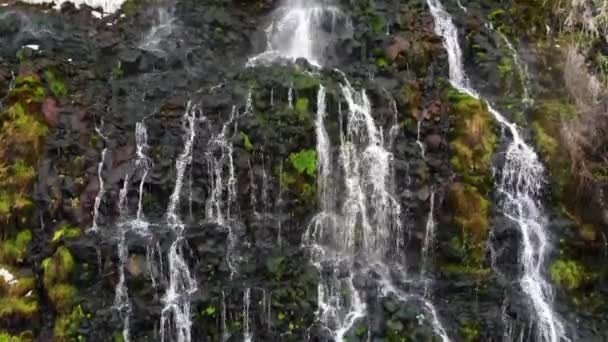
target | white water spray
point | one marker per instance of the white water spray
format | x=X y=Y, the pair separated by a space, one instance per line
x=297 y=32
x=519 y=186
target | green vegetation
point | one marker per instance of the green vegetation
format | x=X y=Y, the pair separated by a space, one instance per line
x=57 y=268
x=472 y=140
x=469 y=331
x=13 y=251
x=305 y=162
x=55 y=84
x=11 y=307
x=26 y=336
x=65 y=231
x=67 y=325
x=247 y=142
x=568 y=274
x=472 y=143
x=302 y=106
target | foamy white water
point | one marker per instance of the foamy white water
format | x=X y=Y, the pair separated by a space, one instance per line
x=519 y=186
x=108 y=6
x=296 y=31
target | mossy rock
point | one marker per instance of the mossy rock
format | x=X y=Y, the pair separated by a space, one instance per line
x=14 y=251
x=472 y=140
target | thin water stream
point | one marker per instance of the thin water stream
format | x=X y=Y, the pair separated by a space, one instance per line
x=519 y=185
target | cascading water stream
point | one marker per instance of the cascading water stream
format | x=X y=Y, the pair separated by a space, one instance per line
x=219 y=207
x=247 y=334
x=101 y=192
x=521 y=69
x=138 y=224
x=175 y=321
x=297 y=32
x=518 y=189
x=427 y=246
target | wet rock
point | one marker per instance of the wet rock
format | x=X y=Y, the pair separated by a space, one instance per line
x=396 y=46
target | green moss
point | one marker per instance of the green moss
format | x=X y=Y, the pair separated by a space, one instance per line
x=65 y=231
x=247 y=142
x=546 y=144
x=55 y=84
x=472 y=140
x=26 y=336
x=63 y=296
x=377 y=23
x=58 y=268
x=505 y=67
x=302 y=106
x=23 y=308
x=304 y=81
x=14 y=251
x=21 y=287
x=568 y=274
x=67 y=325
x=471 y=215
x=305 y=162
x=469 y=331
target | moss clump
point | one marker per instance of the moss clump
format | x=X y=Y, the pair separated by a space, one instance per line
x=469 y=331
x=470 y=210
x=65 y=231
x=67 y=325
x=21 y=138
x=247 y=142
x=305 y=162
x=300 y=177
x=58 y=268
x=13 y=251
x=55 y=84
x=62 y=296
x=26 y=336
x=568 y=274
x=23 y=308
x=302 y=106
x=472 y=140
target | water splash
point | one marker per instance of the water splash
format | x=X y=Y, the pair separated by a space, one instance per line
x=518 y=188
x=175 y=323
x=161 y=29
x=297 y=31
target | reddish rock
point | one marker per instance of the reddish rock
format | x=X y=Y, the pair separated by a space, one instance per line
x=50 y=111
x=433 y=142
x=395 y=47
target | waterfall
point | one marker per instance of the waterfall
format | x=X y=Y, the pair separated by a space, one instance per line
x=176 y=311
x=296 y=31
x=518 y=189
x=101 y=192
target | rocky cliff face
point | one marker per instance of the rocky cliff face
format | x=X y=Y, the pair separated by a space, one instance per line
x=151 y=179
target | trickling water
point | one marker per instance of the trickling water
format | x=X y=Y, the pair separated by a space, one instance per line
x=101 y=192
x=163 y=27
x=290 y=97
x=427 y=246
x=225 y=333
x=418 y=141
x=521 y=70
x=175 y=321
x=297 y=32
x=138 y=225
x=247 y=334
x=519 y=186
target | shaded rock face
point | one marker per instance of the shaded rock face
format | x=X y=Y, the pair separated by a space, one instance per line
x=119 y=71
